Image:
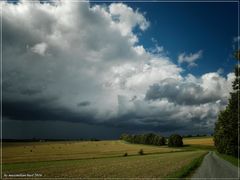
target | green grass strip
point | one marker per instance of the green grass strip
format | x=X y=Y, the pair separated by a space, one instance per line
x=187 y=170
x=233 y=160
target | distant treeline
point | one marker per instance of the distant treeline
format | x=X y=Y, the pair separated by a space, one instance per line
x=149 y=138
x=198 y=135
x=45 y=140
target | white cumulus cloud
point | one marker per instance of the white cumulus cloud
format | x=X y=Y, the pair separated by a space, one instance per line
x=40 y=48
x=190 y=59
x=89 y=68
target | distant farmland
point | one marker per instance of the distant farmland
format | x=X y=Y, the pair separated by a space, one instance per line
x=95 y=159
x=204 y=141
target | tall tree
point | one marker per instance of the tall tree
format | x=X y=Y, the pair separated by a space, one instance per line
x=226 y=132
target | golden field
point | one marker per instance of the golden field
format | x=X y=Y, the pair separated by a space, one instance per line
x=204 y=141
x=67 y=150
x=156 y=165
x=92 y=159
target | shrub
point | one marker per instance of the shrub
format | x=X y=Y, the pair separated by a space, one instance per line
x=141 y=152
x=175 y=140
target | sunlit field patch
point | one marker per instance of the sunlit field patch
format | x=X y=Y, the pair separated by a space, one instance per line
x=205 y=141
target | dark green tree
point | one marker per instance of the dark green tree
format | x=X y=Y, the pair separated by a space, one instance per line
x=226 y=137
x=162 y=141
x=149 y=138
x=175 y=140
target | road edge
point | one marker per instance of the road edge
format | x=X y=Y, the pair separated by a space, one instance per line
x=188 y=170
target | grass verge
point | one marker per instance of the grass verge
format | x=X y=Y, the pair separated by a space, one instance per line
x=186 y=171
x=233 y=160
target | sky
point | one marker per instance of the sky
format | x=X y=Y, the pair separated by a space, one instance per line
x=97 y=70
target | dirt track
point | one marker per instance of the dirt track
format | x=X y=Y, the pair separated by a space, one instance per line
x=215 y=167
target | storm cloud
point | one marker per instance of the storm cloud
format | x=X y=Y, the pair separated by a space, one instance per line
x=77 y=62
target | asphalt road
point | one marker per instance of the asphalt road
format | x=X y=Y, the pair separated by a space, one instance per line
x=215 y=167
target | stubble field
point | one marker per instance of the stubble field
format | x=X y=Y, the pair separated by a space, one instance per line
x=95 y=159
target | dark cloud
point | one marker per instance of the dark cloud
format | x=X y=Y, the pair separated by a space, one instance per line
x=15 y=129
x=185 y=93
x=84 y=103
x=42 y=110
x=30 y=92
